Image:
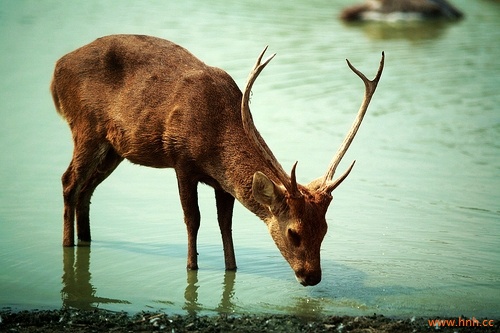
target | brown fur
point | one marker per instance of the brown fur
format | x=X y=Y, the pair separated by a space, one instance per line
x=152 y=102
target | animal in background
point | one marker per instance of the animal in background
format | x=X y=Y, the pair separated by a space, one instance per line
x=380 y=10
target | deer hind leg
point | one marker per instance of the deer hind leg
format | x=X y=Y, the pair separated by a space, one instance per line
x=79 y=181
x=70 y=190
x=188 y=192
x=106 y=166
x=225 y=203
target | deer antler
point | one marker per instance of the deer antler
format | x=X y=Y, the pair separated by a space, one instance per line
x=290 y=183
x=370 y=85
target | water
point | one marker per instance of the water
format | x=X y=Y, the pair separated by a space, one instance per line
x=413 y=231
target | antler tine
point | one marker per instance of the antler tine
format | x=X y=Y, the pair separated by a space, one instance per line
x=293 y=182
x=289 y=183
x=370 y=86
x=257 y=68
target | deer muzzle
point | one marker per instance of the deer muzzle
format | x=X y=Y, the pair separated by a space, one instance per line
x=308 y=278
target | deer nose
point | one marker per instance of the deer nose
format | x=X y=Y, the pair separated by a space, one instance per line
x=308 y=279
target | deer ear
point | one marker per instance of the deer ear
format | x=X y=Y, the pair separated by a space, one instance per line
x=264 y=190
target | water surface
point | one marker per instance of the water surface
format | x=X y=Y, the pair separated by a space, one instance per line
x=414 y=230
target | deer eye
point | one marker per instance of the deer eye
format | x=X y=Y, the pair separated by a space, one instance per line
x=294 y=237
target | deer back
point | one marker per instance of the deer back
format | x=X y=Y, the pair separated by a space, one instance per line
x=151 y=99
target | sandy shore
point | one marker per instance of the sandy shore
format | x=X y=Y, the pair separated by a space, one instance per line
x=68 y=320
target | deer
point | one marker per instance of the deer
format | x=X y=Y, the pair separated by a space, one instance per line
x=152 y=102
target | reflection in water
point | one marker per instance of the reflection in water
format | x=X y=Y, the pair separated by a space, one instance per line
x=226 y=304
x=307 y=307
x=191 y=294
x=412 y=31
x=77 y=291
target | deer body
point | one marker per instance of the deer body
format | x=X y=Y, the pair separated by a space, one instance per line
x=152 y=102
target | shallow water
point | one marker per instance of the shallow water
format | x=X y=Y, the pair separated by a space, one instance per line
x=413 y=231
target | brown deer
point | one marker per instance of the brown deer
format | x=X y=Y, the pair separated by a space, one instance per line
x=152 y=102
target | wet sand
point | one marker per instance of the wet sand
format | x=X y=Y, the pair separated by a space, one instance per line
x=69 y=320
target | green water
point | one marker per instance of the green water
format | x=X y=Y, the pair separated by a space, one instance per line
x=413 y=231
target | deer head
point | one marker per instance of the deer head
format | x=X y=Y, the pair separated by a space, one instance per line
x=296 y=213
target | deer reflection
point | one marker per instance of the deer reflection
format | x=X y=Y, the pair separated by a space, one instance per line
x=226 y=304
x=78 y=291
x=191 y=293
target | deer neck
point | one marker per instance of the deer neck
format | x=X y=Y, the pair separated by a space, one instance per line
x=240 y=163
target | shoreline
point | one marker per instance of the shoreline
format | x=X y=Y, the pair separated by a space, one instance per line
x=73 y=320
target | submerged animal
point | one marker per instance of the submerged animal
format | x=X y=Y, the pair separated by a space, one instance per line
x=390 y=10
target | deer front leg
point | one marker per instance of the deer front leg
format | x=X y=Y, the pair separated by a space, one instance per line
x=188 y=192
x=225 y=204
